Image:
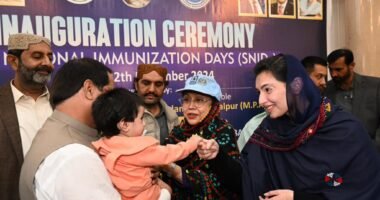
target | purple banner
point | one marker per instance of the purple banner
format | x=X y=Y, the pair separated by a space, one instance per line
x=212 y=37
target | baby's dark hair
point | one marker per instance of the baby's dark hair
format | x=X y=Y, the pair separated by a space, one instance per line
x=112 y=107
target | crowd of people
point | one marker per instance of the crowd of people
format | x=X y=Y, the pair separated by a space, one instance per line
x=79 y=137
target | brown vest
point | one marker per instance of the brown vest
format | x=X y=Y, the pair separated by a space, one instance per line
x=58 y=131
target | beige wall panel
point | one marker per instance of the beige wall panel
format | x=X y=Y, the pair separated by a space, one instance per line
x=355 y=24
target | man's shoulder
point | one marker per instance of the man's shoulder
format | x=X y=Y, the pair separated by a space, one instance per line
x=4 y=85
x=5 y=90
x=330 y=88
x=7 y=104
x=170 y=112
x=72 y=151
x=330 y=83
x=369 y=83
x=69 y=154
x=75 y=163
x=368 y=78
x=164 y=104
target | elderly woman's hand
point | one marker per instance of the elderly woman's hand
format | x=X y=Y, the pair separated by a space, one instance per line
x=155 y=173
x=208 y=149
x=278 y=195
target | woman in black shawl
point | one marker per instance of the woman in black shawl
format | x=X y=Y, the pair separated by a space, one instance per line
x=305 y=149
x=192 y=178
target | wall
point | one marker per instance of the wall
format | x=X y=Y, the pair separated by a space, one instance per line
x=355 y=24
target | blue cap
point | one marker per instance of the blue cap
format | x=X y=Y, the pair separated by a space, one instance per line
x=203 y=84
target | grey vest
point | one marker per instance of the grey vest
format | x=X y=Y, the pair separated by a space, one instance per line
x=151 y=125
x=58 y=131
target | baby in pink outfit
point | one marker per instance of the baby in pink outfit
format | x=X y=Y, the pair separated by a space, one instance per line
x=126 y=153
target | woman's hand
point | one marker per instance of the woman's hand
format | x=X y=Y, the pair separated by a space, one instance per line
x=208 y=149
x=173 y=170
x=278 y=195
x=155 y=173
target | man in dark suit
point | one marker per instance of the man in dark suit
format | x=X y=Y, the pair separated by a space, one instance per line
x=24 y=105
x=282 y=7
x=355 y=93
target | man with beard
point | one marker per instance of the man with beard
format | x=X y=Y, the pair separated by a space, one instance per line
x=150 y=84
x=24 y=105
x=61 y=162
x=355 y=93
x=316 y=67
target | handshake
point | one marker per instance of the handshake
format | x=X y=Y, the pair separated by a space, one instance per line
x=207 y=149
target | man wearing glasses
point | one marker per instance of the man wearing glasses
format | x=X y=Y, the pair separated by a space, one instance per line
x=150 y=84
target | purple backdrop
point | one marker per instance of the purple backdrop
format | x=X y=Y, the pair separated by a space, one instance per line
x=214 y=40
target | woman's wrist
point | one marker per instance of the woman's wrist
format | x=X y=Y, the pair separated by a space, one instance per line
x=174 y=171
x=169 y=168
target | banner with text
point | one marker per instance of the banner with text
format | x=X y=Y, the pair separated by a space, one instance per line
x=220 y=38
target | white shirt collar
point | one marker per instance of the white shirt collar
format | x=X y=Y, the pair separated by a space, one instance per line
x=17 y=94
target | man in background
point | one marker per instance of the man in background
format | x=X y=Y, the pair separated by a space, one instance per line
x=316 y=67
x=24 y=105
x=61 y=163
x=355 y=93
x=150 y=84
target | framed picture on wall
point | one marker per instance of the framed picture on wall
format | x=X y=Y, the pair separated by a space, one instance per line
x=282 y=9
x=256 y=8
x=136 y=3
x=310 y=9
x=12 y=2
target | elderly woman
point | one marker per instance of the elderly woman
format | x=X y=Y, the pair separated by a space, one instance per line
x=192 y=178
x=306 y=148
